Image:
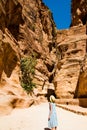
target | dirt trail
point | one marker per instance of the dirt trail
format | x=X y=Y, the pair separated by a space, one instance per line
x=35 y=118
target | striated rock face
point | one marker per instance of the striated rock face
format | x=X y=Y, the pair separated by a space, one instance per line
x=11 y=93
x=79 y=12
x=25 y=27
x=71 y=53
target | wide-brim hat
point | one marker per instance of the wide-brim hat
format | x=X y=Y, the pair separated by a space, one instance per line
x=52 y=98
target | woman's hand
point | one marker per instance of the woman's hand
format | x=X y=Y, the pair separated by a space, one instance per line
x=48 y=118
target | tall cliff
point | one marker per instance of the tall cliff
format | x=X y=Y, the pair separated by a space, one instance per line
x=27 y=27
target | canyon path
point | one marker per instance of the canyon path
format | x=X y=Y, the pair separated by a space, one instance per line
x=35 y=118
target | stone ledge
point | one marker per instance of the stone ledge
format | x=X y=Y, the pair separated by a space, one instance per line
x=74 y=108
x=67 y=101
x=76 y=101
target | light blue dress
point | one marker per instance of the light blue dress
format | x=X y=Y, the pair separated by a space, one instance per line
x=53 y=122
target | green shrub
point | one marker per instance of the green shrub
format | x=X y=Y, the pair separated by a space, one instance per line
x=28 y=71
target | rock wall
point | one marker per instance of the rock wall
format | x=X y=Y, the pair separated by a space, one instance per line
x=79 y=12
x=25 y=27
x=71 y=53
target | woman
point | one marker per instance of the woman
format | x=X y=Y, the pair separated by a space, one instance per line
x=52 y=118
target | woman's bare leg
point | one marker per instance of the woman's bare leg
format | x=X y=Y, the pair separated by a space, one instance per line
x=55 y=128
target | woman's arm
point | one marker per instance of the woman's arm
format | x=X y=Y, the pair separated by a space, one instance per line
x=50 y=111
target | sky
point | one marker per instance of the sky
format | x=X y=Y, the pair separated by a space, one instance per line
x=61 y=10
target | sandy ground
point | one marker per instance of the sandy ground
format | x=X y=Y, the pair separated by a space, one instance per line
x=35 y=118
